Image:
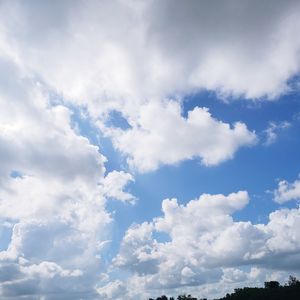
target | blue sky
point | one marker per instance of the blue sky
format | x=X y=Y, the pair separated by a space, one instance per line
x=148 y=147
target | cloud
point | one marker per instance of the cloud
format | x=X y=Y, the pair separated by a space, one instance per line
x=273 y=129
x=147 y=51
x=113 y=184
x=75 y=49
x=113 y=290
x=33 y=281
x=36 y=138
x=53 y=182
x=161 y=135
x=287 y=191
x=145 y=57
x=54 y=188
x=205 y=245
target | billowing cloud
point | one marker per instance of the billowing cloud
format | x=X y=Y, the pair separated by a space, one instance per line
x=52 y=197
x=204 y=245
x=113 y=290
x=287 y=191
x=146 y=54
x=130 y=72
x=149 y=50
x=111 y=184
x=162 y=136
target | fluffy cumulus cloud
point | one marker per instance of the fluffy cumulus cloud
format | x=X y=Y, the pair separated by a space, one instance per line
x=112 y=182
x=204 y=245
x=152 y=140
x=113 y=290
x=287 y=191
x=52 y=196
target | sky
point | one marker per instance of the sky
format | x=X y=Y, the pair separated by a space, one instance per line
x=148 y=147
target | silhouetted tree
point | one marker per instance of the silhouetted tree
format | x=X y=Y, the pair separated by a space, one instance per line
x=271 y=284
x=163 y=297
x=293 y=281
x=184 y=297
x=271 y=291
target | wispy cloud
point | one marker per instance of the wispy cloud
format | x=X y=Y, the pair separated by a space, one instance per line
x=273 y=130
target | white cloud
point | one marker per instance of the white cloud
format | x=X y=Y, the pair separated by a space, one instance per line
x=273 y=129
x=206 y=246
x=145 y=54
x=146 y=50
x=36 y=138
x=284 y=236
x=287 y=191
x=161 y=135
x=53 y=194
x=113 y=290
x=113 y=184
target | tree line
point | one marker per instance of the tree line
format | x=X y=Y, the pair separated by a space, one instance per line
x=272 y=290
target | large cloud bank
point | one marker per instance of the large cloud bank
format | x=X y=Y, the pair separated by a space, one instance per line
x=122 y=55
x=52 y=196
x=108 y=50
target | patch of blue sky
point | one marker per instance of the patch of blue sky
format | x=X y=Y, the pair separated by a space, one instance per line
x=115 y=119
x=6 y=229
x=16 y=174
x=255 y=114
x=82 y=123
